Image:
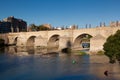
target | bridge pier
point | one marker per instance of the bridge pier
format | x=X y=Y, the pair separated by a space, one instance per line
x=11 y=40
x=96 y=43
x=21 y=41
x=40 y=42
x=65 y=42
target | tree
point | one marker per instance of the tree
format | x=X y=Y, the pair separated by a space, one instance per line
x=42 y=27
x=112 y=47
x=33 y=27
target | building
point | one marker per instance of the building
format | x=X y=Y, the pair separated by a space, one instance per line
x=12 y=24
x=47 y=26
x=5 y=27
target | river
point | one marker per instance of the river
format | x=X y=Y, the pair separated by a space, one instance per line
x=20 y=65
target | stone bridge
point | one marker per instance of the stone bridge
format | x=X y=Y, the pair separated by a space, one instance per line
x=61 y=38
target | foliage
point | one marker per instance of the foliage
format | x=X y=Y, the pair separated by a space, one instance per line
x=81 y=53
x=112 y=47
x=42 y=27
x=33 y=27
x=38 y=28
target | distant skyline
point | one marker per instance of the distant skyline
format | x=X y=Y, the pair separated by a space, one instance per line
x=62 y=12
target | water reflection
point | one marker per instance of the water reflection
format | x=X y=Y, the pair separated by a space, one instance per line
x=54 y=66
x=30 y=50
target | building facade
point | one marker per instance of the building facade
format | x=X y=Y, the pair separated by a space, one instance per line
x=12 y=24
x=5 y=27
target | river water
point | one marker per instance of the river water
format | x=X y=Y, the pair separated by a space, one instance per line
x=20 y=65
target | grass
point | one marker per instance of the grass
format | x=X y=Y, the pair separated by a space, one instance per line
x=81 y=53
x=100 y=52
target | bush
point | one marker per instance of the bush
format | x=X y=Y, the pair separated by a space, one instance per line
x=112 y=47
x=81 y=53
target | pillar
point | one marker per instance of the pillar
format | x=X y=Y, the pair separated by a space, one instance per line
x=21 y=41
x=100 y=24
x=64 y=42
x=40 y=42
x=17 y=29
x=89 y=25
x=12 y=29
x=96 y=43
x=86 y=26
x=104 y=24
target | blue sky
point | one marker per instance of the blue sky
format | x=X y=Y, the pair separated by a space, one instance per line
x=62 y=12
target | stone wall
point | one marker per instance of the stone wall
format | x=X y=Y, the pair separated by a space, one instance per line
x=99 y=36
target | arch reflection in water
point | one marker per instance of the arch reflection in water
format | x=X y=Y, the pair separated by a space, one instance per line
x=15 y=41
x=29 y=50
x=85 y=68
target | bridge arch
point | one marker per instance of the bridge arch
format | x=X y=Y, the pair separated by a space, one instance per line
x=40 y=41
x=53 y=41
x=31 y=41
x=15 y=40
x=82 y=41
x=2 y=42
x=7 y=41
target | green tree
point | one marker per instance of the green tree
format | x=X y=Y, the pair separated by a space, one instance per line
x=33 y=27
x=112 y=47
